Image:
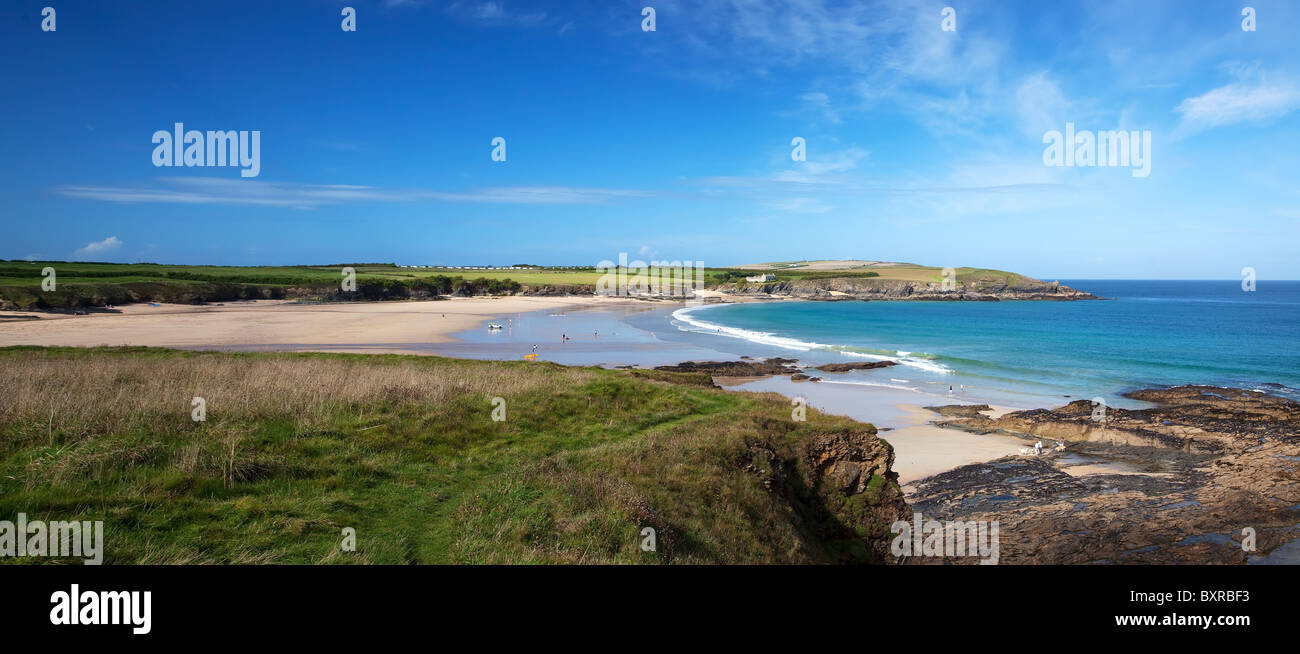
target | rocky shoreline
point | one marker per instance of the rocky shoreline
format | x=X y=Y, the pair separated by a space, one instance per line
x=853 y=288
x=1186 y=481
x=770 y=367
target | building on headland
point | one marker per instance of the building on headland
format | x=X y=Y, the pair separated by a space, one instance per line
x=762 y=278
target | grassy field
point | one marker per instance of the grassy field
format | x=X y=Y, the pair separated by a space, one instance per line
x=295 y=447
x=19 y=273
x=885 y=271
x=99 y=284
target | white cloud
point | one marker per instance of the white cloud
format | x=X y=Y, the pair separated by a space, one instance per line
x=212 y=190
x=1041 y=105
x=819 y=167
x=109 y=244
x=821 y=102
x=800 y=205
x=495 y=13
x=1236 y=103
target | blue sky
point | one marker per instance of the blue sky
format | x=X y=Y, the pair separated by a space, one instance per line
x=922 y=145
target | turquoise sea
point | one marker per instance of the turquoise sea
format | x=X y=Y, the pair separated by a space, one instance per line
x=1148 y=333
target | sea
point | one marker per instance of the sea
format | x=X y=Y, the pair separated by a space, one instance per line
x=1144 y=334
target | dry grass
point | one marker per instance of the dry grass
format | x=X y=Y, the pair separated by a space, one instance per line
x=80 y=397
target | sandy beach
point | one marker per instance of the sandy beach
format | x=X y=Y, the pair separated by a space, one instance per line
x=921 y=449
x=373 y=326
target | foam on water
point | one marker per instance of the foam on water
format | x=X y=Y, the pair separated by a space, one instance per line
x=766 y=338
x=688 y=322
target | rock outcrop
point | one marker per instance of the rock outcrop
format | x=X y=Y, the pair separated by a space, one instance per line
x=765 y=368
x=842 y=485
x=856 y=365
x=1190 y=480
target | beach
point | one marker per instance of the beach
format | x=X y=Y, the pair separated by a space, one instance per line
x=388 y=327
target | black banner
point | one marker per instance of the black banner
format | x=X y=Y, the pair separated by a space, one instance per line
x=340 y=604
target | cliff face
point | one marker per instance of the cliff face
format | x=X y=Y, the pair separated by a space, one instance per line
x=849 y=288
x=840 y=486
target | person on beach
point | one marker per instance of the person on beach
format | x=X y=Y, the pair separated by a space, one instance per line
x=1038 y=448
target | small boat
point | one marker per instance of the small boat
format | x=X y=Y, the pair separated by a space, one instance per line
x=492 y=326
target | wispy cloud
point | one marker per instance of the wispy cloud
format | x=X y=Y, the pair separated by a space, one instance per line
x=819 y=101
x=800 y=205
x=496 y=14
x=211 y=190
x=105 y=246
x=1237 y=103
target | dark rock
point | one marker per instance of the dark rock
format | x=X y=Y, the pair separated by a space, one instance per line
x=1175 y=483
x=856 y=365
x=768 y=367
x=961 y=410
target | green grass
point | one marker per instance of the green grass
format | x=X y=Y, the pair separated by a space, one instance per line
x=23 y=273
x=99 y=284
x=403 y=449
